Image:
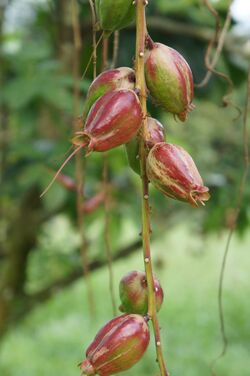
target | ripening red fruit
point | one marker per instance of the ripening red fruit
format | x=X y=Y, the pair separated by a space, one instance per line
x=169 y=79
x=172 y=170
x=112 y=79
x=134 y=293
x=117 y=346
x=155 y=133
x=113 y=120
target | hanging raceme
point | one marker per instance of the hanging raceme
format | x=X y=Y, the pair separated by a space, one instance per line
x=115 y=113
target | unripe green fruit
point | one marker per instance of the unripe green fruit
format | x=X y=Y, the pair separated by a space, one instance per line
x=114 y=15
x=169 y=79
x=155 y=134
x=134 y=293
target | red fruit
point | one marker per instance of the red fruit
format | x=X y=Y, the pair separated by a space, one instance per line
x=169 y=79
x=172 y=170
x=155 y=134
x=117 y=346
x=113 y=120
x=134 y=293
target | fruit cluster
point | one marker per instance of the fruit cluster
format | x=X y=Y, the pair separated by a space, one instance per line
x=113 y=116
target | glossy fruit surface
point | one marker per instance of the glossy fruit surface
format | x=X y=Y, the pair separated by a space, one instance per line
x=115 y=15
x=169 y=79
x=134 y=293
x=172 y=170
x=117 y=346
x=112 y=79
x=114 y=119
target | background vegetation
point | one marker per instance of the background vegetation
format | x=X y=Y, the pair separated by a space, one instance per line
x=45 y=323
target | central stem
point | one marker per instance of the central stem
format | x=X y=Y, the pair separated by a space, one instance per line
x=141 y=87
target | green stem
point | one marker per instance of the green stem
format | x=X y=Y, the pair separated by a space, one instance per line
x=141 y=86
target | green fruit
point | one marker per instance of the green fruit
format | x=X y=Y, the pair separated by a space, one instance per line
x=155 y=134
x=132 y=151
x=134 y=293
x=114 y=15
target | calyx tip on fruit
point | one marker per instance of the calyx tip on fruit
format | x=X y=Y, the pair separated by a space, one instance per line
x=172 y=170
x=117 y=346
x=169 y=78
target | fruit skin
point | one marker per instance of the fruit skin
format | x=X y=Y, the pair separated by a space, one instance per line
x=172 y=170
x=134 y=293
x=114 y=119
x=169 y=79
x=155 y=134
x=114 y=16
x=117 y=346
x=112 y=79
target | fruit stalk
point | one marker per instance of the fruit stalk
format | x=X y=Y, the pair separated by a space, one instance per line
x=141 y=87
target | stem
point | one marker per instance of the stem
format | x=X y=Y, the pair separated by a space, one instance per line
x=93 y=15
x=105 y=47
x=141 y=86
x=80 y=166
x=105 y=179
x=115 y=48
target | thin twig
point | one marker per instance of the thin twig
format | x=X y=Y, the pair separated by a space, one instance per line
x=94 y=54
x=115 y=48
x=80 y=167
x=233 y=226
x=91 y=56
x=219 y=37
x=105 y=50
x=107 y=232
x=105 y=180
